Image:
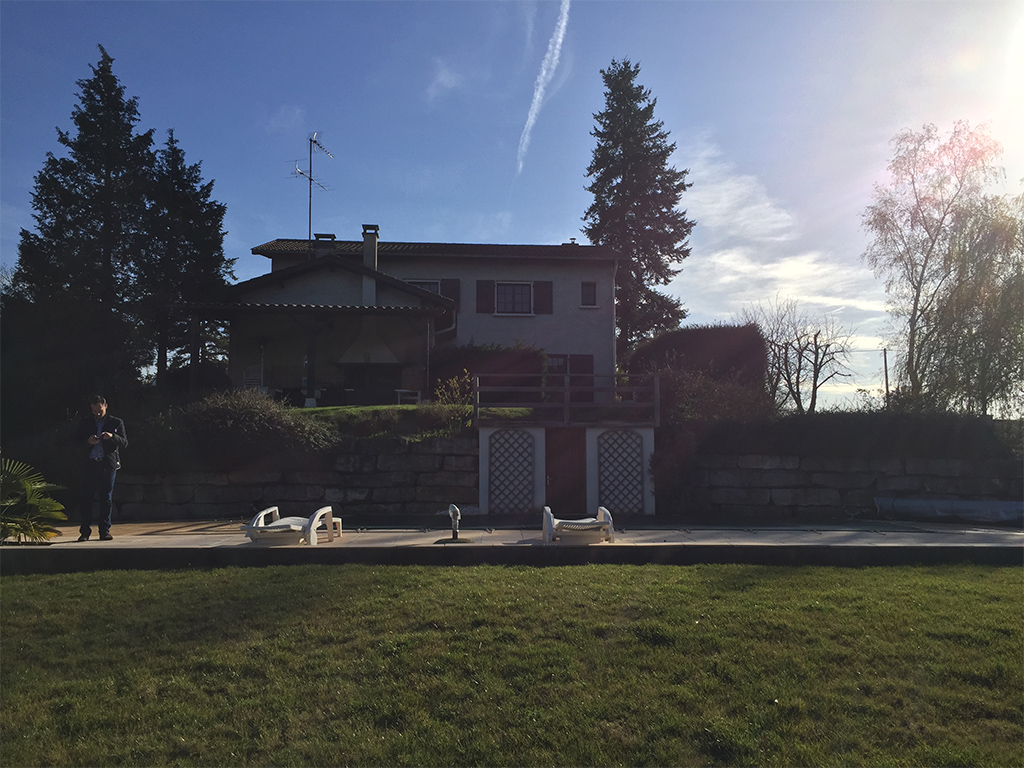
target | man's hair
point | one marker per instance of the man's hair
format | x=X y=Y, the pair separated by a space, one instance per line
x=97 y=400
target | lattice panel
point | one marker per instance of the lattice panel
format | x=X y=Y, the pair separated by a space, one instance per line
x=510 y=472
x=620 y=471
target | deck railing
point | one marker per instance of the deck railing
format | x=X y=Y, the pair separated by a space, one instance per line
x=566 y=400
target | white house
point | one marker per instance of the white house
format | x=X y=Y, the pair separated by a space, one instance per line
x=362 y=317
x=356 y=322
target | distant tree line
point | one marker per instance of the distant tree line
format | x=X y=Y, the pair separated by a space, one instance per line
x=123 y=230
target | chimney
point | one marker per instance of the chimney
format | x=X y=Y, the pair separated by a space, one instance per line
x=370 y=262
x=323 y=245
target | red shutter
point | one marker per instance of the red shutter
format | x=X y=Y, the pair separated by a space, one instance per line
x=485 y=297
x=543 y=301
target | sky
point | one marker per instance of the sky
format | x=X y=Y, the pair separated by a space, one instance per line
x=470 y=121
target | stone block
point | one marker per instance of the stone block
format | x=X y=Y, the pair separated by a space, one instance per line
x=740 y=496
x=449 y=479
x=125 y=493
x=779 y=478
x=938 y=467
x=393 y=495
x=898 y=484
x=834 y=464
x=139 y=478
x=728 y=478
x=886 y=466
x=409 y=463
x=859 y=497
x=169 y=494
x=275 y=494
x=215 y=494
x=312 y=478
x=201 y=478
x=255 y=477
x=806 y=497
x=448 y=446
x=843 y=480
x=755 y=461
x=385 y=479
x=346 y=495
x=461 y=463
x=444 y=496
x=356 y=463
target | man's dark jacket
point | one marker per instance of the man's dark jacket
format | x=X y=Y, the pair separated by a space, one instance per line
x=87 y=428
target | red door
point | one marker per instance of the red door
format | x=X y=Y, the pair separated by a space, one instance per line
x=565 y=463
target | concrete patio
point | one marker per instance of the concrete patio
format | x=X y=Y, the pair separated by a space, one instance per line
x=221 y=543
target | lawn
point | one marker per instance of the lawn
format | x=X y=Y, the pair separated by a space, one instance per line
x=593 y=665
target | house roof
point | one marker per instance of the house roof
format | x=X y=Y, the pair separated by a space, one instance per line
x=354 y=248
x=332 y=263
x=220 y=309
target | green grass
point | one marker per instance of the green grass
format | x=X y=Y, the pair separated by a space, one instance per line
x=594 y=665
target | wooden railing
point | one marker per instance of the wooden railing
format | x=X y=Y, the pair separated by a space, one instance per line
x=560 y=400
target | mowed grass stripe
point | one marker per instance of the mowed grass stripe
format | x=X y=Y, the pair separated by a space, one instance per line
x=592 y=665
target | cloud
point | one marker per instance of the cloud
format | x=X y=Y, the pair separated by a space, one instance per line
x=288 y=120
x=748 y=247
x=732 y=206
x=547 y=72
x=445 y=80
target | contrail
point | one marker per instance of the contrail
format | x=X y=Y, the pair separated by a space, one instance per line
x=547 y=71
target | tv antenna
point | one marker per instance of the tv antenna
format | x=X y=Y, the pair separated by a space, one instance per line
x=313 y=144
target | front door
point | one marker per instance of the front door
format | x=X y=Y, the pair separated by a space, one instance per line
x=565 y=465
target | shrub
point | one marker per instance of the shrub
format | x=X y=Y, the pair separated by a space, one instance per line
x=233 y=429
x=27 y=512
x=453 y=403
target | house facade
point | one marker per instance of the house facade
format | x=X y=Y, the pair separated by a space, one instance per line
x=347 y=322
x=357 y=322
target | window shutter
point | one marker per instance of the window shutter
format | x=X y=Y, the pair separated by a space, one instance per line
x=450 y=289
x=485 y=297
x=543 y=301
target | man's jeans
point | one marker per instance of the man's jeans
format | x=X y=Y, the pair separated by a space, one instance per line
x=97 y=479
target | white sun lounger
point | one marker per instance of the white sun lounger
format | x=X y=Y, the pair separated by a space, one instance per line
x=585 y=530
x=268 y=527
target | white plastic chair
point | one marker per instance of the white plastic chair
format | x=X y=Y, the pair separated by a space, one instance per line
x=268 y=527
x=598 y=528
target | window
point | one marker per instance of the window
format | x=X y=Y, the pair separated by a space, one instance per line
x=588 y=294
x=524 y=298
x=513 y=298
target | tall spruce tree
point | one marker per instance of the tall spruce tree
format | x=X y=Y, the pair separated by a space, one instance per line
x=184 y=259
x=91 y=217
x=636 y=194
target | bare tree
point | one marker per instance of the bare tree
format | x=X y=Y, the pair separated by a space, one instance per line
x=804 y=352
x=951 y=256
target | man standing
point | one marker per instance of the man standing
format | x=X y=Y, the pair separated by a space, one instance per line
x=98 y=437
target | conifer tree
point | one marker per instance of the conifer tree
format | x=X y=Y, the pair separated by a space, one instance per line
x=636 y=194
x=122 y=232
x=185 y=258
x=91 y=216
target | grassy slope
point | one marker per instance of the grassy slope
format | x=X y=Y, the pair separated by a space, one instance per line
x=595 y=665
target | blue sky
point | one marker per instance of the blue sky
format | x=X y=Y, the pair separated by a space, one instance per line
x=470 y=121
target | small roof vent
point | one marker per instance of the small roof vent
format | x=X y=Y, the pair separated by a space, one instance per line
x=323 y=236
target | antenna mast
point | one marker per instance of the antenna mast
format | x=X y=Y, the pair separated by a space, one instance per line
x=299 y=172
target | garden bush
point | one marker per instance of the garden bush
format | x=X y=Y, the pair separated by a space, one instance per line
x=229 y=430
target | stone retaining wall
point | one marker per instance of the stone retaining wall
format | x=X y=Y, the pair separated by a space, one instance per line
x=779 y=488
x=369 y=476
x=391 y=477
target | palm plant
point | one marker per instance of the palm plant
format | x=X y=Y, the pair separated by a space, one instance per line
x=26 y=511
